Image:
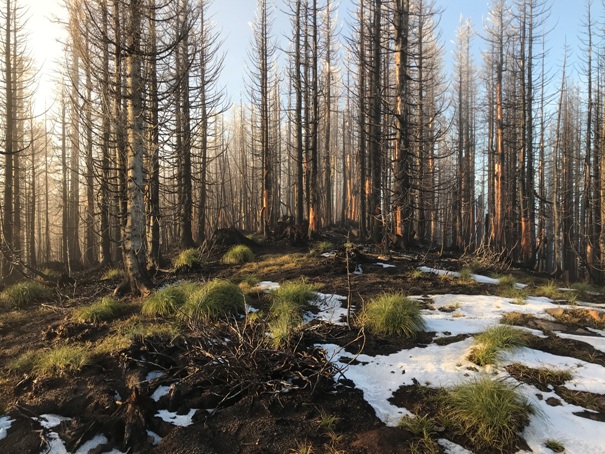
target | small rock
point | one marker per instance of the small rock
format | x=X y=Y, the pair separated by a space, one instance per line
x=554 y=402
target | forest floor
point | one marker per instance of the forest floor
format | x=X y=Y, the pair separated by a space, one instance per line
x=174 y=388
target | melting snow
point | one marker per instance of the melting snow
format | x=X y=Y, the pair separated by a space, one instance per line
x=160 y=392
x=385 y=265
x=155 y=438
x=177 y=420
x=155 y=374
x=445 y=366
x=331 y=309
x=5 y=424
x=268 y=285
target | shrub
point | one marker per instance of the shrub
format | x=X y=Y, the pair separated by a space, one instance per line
x=24 y=294
x=489 y=412
x=189 y=258
x=216 y=299
x=393 y=314
x=493 y=340
x=237 y=255
x=104 y=309
x=112 y=274
x=165 y=302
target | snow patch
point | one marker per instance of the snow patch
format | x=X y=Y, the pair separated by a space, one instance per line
x=385 y=265
x=268 y=285
x=177 y=420
x=155 y=374
x=155 y=438
x=160 y=392
x=5 y=424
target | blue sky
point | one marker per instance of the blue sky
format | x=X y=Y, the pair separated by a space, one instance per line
x=233 y=18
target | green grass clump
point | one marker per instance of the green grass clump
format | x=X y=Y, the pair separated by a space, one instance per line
x=107 y=308
x=466 y=274
x=290 y=301
x=416 y=274
x=492 y=341
x=554 y=445
x=237 y=255
x=189 y=258
x=321 y=246
x=551 y=290
x=421 y=426
x=24 y=294
x=489 y=412
x=24 y=363
x=112 y=274
x=137 y=328
x=393 y=314
x=166 y=301
x=111 y=344
x=52 y=363
x=215 y=299
x=506 y=281
x=297 y=292
x=285 y=318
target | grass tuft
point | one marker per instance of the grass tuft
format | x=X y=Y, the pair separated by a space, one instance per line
x=285 y=318
x=112 y=274
x=393 y=314
x=416 y=274
x=554 y=445
x=237 y=255
x=320 y=247
x=55 y=362
x=297 y=292
x=24 y=294
x=189 y=258
x=421 y=426
x=466 y=275
x=492 y=341
x=167 y=301
x=107 y=308
x=137 y=328
x=506 y=281
x=214 y=300
x=551 y=290
x=489 y=412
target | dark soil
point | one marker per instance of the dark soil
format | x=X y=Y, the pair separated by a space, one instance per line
x=250 y=398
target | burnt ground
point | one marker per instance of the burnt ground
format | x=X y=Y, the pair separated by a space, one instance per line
x=250 y=397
